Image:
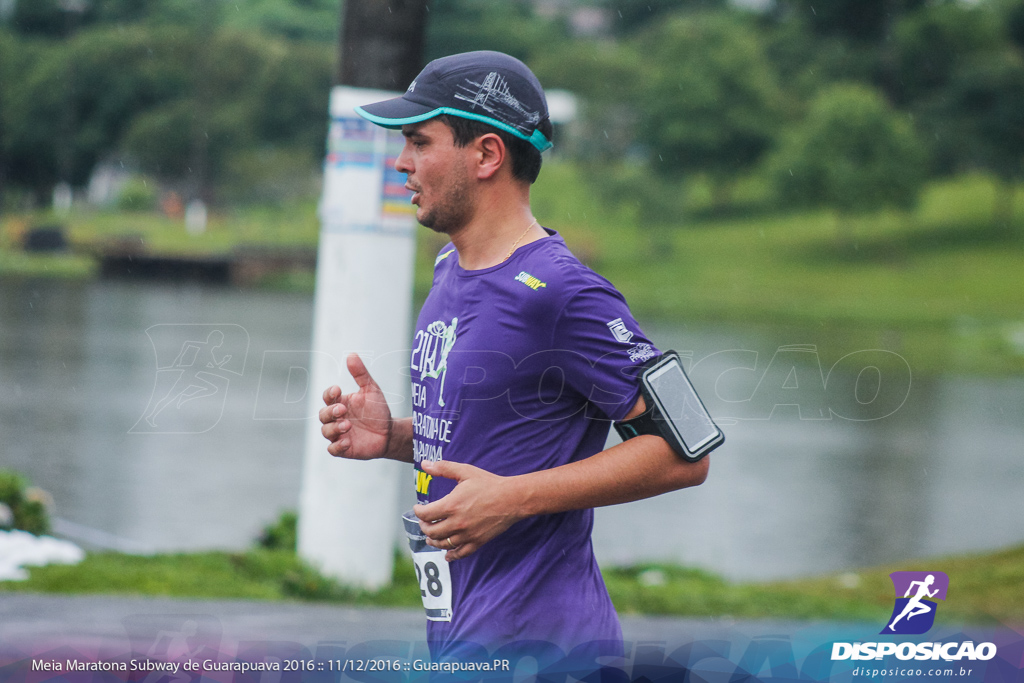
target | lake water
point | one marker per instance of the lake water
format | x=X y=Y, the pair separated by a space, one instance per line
x=829 y=464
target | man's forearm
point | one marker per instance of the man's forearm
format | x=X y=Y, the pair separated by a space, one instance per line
x=400 y=440
x=642 y=467
x=483 y=505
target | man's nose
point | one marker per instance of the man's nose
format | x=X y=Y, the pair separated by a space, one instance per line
x=403 y=164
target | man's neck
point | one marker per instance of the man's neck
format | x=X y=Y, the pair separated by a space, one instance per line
x=494 y=233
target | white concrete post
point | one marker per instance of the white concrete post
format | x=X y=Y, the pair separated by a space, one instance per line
x=348 y=511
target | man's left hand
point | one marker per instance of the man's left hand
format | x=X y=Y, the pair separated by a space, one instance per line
x=481 y=506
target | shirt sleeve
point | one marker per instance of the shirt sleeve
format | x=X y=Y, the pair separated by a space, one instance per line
x=602 y=349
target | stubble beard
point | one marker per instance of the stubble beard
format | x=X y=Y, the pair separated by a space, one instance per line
x=451 y=211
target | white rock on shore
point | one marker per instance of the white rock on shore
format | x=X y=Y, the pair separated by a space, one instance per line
x=20 y=549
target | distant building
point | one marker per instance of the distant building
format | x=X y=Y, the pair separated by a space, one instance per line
x=106 y=182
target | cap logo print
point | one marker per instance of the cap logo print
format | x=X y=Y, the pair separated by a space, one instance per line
x=494 y=90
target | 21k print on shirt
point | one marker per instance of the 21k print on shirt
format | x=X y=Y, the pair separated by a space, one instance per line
x=430 y=359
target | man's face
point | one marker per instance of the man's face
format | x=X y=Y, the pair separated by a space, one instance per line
x=439 y=175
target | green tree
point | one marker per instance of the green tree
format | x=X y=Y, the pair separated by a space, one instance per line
x=981 y=118
x=852 y=152
x=31 y=104
x=856 y=36
x=630 y=15
x=243 y=90
x=290 y=96
x=1013 y=16
x=603 y=76
x=711 y=101
x=16 y=56
x=511 y=27
x=72 y=100
x=932 y=42
x=47 y=17
x=300 y=20
x=307 y=20
x=182 y=103
x=935 y=47
x=860 y=20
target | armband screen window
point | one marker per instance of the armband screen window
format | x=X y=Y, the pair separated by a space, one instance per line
x=681 y=408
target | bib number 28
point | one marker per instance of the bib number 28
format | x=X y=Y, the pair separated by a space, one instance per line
x=435 y=581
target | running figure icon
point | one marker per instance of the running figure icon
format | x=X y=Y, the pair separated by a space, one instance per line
x=194 y=366
x=195 y=360
x=915 y=606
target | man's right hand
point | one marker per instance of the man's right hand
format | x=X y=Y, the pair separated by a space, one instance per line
x=358 y=425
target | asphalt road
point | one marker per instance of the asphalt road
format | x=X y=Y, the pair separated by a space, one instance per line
x=40 y=629
x=93 y=623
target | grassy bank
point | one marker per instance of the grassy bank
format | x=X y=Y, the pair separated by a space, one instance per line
x=89 y=231
x=152 y=232
x=940 y=285
x=257 y=574
x=983 y=588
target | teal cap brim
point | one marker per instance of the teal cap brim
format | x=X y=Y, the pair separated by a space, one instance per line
x=537 y=139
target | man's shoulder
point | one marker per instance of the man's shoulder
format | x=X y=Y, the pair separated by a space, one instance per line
x=555 y=264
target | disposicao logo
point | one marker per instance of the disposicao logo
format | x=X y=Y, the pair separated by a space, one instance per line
x=914 y=614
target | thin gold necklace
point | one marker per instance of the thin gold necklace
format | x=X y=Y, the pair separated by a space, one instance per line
x=509 y=254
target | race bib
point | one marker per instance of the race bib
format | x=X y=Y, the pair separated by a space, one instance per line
x=432 y=572
x=435 y=580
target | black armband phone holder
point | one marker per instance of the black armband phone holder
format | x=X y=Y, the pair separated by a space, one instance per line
x=674 y=410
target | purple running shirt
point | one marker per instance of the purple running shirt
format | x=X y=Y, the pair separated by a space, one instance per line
x=517 y=368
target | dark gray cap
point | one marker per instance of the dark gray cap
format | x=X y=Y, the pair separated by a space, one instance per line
x=484 y=86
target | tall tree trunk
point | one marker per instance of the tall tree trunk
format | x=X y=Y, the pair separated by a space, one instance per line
x=3 y=163
x=197 y=185
x=887 y=61
x=381 y=43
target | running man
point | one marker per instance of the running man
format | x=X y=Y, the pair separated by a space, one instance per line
x=508 y=441
x=915 y=606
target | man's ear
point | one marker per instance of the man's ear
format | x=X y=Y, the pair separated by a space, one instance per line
x=491 y=155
